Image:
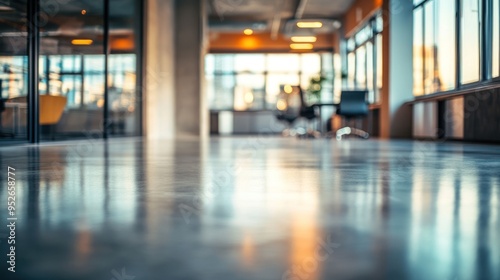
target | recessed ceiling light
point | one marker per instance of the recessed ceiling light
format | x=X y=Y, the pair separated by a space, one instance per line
x=248 y=31
x=301 y=46
x=309 y=24
x=81 y=42
x=304 y=39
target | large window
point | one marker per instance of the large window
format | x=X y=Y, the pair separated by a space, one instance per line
x=337 y=72
x=430 y=79
x=364 y=59
x=418 y=51
x=253 y=81
x=361 y=66
x=435 y=44
x=445 y=45
x=496 y=39
x=470 y=43
x=370 y=68
x=351 y=70
x=378 y=66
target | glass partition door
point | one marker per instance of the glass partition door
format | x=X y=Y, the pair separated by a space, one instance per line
x=72 y=71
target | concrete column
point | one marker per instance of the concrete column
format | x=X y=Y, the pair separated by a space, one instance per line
x=395 y=119
x=191 y=110
x=159 y=91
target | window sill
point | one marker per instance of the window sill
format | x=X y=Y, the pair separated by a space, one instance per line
x=466 y=89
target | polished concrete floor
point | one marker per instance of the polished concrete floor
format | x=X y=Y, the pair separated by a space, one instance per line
x=253 y=208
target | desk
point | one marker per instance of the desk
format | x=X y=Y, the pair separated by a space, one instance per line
x=16 y=115
x=319 y=106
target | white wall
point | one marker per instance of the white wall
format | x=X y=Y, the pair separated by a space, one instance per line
x=174 y=104
x=159 y=92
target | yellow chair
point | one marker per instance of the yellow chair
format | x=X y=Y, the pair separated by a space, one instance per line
x=51 y=109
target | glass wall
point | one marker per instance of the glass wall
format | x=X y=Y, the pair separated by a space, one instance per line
x=364 y=59
x=246 y=82
x=79 y=69
x=125 y=60
x=13 y=71
x=72 y=61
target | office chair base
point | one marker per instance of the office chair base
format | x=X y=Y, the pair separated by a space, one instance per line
x=289 y=132
x=351 y=131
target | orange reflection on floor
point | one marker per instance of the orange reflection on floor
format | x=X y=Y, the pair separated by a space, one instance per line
x=304 y=262
x=248 y=250
x=83 y=246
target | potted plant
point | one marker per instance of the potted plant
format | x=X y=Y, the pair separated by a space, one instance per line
x=315 y=88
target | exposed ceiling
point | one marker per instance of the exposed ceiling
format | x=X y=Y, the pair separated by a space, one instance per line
x=326 y=8
x=275 y=16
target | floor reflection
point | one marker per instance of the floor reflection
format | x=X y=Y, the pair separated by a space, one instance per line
x=255 y=208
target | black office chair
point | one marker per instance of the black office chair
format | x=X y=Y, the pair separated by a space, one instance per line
x=352 y=105
x=309 y=113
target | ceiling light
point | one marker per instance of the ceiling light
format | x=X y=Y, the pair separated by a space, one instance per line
x=309 y=24
x=303 y=39
x=248 y=31
x=81 y=42
x=84 y=12
x=301 y=46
